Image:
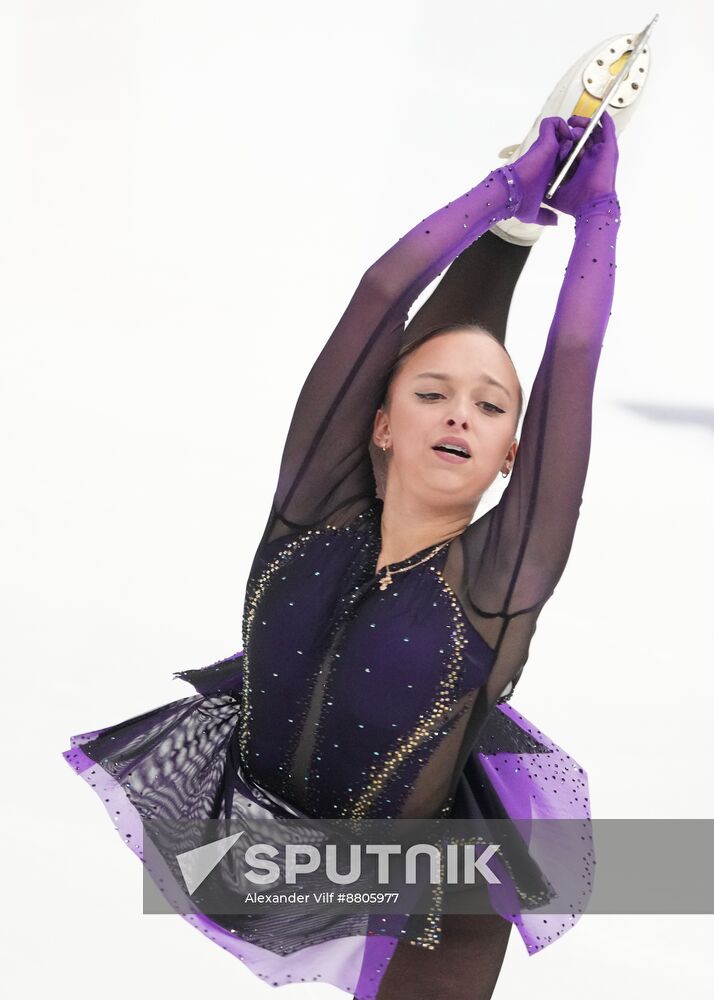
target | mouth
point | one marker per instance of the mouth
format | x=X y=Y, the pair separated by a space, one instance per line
x=451 y=456
x=452 y=450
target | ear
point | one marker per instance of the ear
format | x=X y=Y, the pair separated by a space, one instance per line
x=510 y=456
x=380 y=427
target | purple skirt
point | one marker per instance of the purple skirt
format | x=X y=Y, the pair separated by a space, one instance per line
x=515 y=771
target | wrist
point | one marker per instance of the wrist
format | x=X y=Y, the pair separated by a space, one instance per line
x=513 y=187
x=603 y=204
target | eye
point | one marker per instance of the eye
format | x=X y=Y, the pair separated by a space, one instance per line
x=431 y=397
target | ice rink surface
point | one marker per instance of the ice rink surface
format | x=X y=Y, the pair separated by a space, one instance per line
x=190 y=193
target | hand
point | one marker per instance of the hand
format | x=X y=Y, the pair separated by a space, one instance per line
x=537 y=167
x=593 y=173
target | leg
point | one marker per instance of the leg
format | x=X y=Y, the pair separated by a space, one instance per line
x=464 y=966
x=477 y=287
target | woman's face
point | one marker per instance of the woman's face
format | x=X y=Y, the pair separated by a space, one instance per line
x=461 y=385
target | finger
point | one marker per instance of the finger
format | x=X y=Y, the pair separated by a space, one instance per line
x=563 y=129
x=598 y=133
x=609 y=133
x=594 y=139
x=578 y=132
x=546 y=218
x=549 y=127
x=578 y=125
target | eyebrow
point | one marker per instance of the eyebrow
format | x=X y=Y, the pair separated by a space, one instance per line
x=446 y=378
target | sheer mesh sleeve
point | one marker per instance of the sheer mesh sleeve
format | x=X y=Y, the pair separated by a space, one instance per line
x=326 y=472
x=508 y=562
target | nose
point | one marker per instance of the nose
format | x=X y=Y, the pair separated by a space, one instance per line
x=461 y=420
x=459 y=411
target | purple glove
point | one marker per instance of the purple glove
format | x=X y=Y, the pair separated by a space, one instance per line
x=593 y=173
x=537 y=167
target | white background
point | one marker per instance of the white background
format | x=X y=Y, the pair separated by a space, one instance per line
x=190 y=194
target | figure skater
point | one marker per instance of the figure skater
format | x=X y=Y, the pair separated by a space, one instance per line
x=384 y=627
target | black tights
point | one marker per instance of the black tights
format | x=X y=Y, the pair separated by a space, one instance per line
x=477 y=287
x=463 y=966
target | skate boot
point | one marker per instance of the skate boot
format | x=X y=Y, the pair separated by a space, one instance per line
x=579 y=92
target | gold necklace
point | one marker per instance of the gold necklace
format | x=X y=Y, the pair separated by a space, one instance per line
x=387 y=579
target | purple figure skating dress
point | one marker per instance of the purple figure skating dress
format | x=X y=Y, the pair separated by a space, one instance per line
x=350 y=700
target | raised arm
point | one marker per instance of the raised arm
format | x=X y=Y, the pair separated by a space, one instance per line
x=513 y=557
x=325 y=471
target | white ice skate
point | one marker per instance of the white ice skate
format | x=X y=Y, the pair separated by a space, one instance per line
x=580 y=92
